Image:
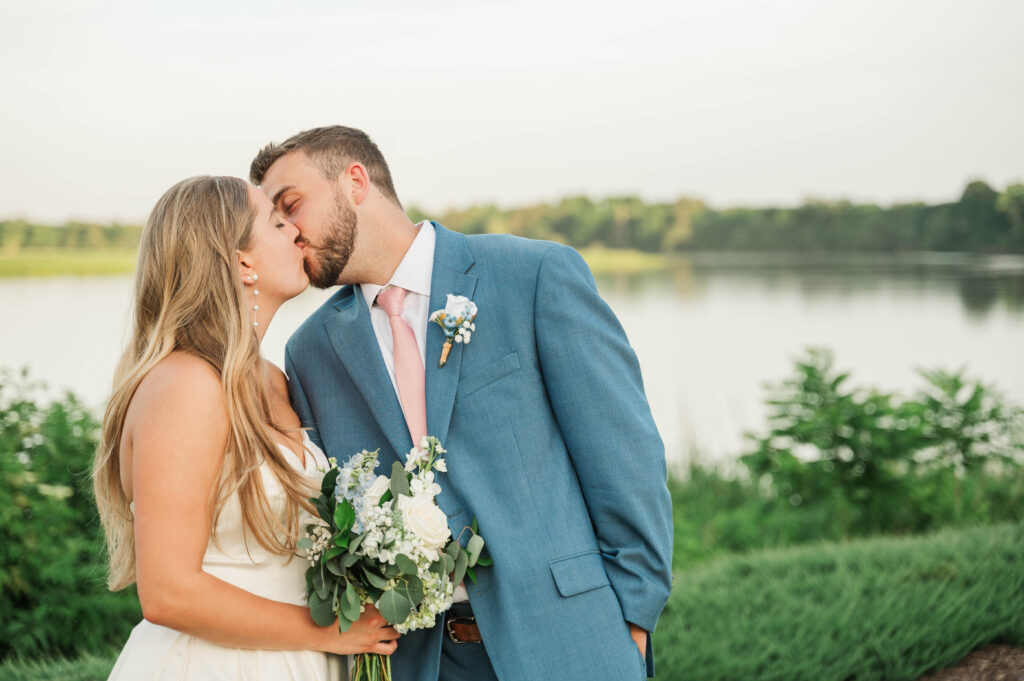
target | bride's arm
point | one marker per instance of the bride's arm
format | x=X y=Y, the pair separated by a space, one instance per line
x=178 y=430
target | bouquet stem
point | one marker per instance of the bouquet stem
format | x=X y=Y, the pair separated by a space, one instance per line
x=371 y=667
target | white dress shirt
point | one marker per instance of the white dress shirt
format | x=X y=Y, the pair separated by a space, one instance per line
x=413 y=274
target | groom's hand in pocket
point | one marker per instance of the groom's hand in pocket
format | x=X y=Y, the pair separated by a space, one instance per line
x=639 y=638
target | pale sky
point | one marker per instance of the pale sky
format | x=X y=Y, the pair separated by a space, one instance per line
x=737 y=102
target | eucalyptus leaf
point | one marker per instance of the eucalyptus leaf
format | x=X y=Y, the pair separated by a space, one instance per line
x=461 y=563
x=391 y=571
x=394 y=607
x=321 y=610
x=304 y=543
x=320 y=585
x=374 y=579
x=348 y=560
x=344 y=624
x=474 y=546
x=334 y=567
x=406 y=564
x=453 y=549
x=332 y=552
x=399 y=480
x=449 y=563
x=354 y=544
x=411 y=588
x=350 y=603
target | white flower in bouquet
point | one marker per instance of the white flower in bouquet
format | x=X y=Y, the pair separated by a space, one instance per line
x=376 y=490
x=426 y=521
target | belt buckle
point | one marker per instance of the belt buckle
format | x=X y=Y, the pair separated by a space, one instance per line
x=450 y=629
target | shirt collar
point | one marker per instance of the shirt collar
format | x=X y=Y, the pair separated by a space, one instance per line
x=417 y=266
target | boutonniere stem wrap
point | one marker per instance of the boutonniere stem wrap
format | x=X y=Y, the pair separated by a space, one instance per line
x=456 y=320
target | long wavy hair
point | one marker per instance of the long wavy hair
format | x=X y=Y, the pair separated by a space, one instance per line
x=189 y=297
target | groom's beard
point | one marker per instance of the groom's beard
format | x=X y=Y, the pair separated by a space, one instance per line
x=332 y=254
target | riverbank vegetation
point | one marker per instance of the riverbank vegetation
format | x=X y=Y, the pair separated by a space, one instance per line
x=982 y=220
x=865 y=535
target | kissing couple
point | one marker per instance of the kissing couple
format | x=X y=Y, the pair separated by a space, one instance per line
x=210 y=454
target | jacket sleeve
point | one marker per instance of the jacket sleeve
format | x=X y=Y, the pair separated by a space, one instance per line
x=593 y=381
x=297 y=395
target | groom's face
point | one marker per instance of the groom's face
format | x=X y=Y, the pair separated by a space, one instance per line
x=322 y=213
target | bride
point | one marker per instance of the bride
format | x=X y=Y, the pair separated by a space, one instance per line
x=203 y=473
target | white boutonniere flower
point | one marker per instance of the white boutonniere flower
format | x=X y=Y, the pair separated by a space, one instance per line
x=456 y=320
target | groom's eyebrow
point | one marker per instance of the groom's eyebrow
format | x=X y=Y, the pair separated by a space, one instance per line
x=280 y=193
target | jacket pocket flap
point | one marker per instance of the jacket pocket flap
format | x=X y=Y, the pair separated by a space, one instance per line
x=483 y=377
x=579 y=573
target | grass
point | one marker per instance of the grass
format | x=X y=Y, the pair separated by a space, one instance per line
x=604 y=261
x=56 y=262
x=885 y=609
x=88 y=667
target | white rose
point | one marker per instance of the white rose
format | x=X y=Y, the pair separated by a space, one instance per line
x=424 y=518
x=377 y=489
x=459 y=305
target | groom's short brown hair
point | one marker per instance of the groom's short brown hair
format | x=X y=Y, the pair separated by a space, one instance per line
x=332 y=148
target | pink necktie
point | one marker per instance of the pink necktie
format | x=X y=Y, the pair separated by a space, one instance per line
x=408 y=364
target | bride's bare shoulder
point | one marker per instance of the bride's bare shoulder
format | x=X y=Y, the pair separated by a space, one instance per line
x=180 y=386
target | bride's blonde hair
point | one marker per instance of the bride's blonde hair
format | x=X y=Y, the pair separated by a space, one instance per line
x=189 y=297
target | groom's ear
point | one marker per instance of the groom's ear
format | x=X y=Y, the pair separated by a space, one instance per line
x=357 y=181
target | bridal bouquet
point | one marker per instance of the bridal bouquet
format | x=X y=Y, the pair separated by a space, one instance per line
x=384 y=540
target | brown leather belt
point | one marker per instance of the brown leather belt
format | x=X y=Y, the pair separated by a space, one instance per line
x=462 y=629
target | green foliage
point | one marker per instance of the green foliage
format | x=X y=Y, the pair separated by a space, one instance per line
x=877 y=462
x=53 y=597
x=886 y=609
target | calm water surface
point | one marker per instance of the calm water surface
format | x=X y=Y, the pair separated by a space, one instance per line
x=709 y=331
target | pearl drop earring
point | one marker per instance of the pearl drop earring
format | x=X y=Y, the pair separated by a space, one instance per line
x=255 y=307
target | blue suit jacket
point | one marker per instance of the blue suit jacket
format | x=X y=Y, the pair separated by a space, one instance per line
x=551 y=446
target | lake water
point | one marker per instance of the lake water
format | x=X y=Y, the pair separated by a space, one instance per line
x=709 y=331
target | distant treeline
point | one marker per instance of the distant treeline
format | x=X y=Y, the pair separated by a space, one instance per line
x=982 y=220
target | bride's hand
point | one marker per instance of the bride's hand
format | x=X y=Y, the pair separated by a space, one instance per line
x=371 y=633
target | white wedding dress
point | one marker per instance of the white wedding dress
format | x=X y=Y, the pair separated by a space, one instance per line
x=156 y=653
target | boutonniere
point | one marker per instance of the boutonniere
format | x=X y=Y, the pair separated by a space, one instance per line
x=456 y=320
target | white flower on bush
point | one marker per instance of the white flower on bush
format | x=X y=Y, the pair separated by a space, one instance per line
x=422 y=517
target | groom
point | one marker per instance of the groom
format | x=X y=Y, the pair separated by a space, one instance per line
x=551 y=445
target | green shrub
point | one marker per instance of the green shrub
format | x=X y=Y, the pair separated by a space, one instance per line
x=53 y=597
x=881 y=463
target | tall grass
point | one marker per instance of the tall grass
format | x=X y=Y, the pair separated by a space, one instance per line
x=886 y=609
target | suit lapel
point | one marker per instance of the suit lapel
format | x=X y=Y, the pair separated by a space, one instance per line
x=354 y=342
x=452 y=259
